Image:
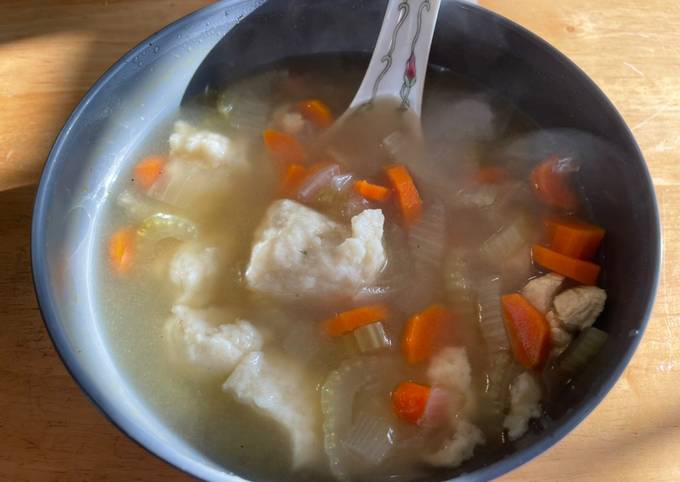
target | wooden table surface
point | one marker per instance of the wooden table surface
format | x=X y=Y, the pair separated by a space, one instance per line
x=51 y=51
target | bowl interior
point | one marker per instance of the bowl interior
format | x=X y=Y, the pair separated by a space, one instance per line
x=149 y=83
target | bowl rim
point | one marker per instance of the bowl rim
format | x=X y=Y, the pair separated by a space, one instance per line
x=193 y=467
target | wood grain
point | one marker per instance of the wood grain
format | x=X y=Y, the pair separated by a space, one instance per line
x=51 y=51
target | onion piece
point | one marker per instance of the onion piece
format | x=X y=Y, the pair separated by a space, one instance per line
x=480 y=196
x=370 y=438
x=371 y=337
x=456 y=272
x=320 y=179
x=508 y=240
x=491 y=318
x=337 y=403
x=178 y=182
x=426 y=238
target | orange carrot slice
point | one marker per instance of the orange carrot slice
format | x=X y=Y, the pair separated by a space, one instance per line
x=528 y=330
x=148 y=171
x=121 y=250
x=316 y=111
x=284 y=147
x=409 y=400
x=408 y=200
x=292 y=179
x=574 y=238
x=552 y=186
x=422 y=331
x=584 y=272
x=372 y=192
x=348 y=321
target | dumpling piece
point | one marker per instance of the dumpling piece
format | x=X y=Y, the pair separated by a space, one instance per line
x=195 y=270
x=451 y=368
x=578 y=308
x=201 y=339
x=299 y=252
x=541 y=291
x=276 y=387
x=202 y=146
x=203 y=170
x=459 y=448
x=525 y=398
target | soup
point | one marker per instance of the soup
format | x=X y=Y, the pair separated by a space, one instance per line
x=302 y=310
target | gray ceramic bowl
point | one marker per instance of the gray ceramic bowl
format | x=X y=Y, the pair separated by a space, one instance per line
x=148 y=83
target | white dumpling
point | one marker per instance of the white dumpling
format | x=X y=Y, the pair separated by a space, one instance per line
x=525 y=398
x=457 y=449
x=195 y=270
x=206 y=339
x=276 y=387
x=450 y=368
x=299 y=252
x=203 y=146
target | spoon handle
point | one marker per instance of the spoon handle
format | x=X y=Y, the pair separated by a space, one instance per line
x=399 y=62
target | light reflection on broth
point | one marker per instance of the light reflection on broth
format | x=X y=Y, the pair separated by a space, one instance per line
x=470 y=244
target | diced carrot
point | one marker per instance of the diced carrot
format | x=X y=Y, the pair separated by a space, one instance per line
x=372 y=192
x=422 y=331
x=348 y=321
x=316 y=111
x=552 y=186
x=121 y=250
x=409 y=400
x=292 y=179
x=584 y=272
x=284 y=147
x=148 y=171
x=574 y=238
x=491 y=175
x=408 y=200
x=528 y=330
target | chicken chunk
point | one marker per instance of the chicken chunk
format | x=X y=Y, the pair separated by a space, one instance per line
x=201 y=339
x=276 y=387
x=541 y=291
x=195 y=270
x=458 y=448
x=559 y=337
x=299 y=252
x=578 y=308
x=525 y=398
x=202 y=146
